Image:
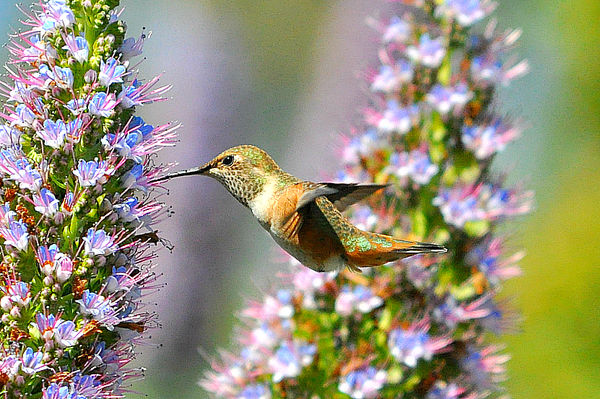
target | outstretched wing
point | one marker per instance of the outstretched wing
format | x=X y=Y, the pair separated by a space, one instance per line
x=342 y=195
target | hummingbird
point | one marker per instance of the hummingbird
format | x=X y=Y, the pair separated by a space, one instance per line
x=303 y=217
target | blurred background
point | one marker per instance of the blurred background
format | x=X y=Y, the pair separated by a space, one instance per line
x=284 y=76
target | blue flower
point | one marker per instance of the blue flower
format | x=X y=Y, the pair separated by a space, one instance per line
x=429 y=52
x=111 y=72
x=289 y=359
x=54 y=133
x=91 y=172
x=78 y=47
x=257 y=391
x=9 y=136
x=97 y=242
x=31 y=362
x=391 y=78
x=54 y=391
x=363 y=383
x=465 y=12
x=76 y=106
x=398 y=30
x=102 y=104
x=64 y=76
x=45 y=202
x=397 y=119
x=24 y=116
x=15 y=234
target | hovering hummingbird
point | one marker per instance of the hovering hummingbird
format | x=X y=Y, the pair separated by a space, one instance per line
x=303 y=217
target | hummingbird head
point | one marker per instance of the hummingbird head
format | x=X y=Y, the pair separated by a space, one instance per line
x=243 y=170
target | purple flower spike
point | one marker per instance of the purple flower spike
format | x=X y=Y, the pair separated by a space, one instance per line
x=97 y=242
x=111 y=72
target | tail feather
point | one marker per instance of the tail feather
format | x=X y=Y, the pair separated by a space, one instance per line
x=420 y=248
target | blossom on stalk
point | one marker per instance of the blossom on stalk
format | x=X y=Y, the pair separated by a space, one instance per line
x=73 y=276
x=417 y=327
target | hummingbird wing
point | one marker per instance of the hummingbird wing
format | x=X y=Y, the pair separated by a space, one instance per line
x=342 y=195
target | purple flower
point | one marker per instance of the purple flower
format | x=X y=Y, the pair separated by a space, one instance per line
x=445 y=99
x=397 y=119
x=391 y=78
x=55 y=391
x=17 y=293
x=91 y=172
x=76 y=106
x=97 y=242
x=24 y=116
x=487 y=257
x=64 y=76
x=98 y=308
x=15 y=234
x=45 y=202
x=56 y=14
x=465 y=12
x=31 y=362
x=360 y=298
x=429 y=52
x=363 y=383
x=19 y=169
x=141 y=93
x=256 y=391
x=398 y=31
x=289 y=359
x=111 y=72
x=65 y=334
x=452 y=313
x=487 y=139
x=54 y=133
x=78 y=47
x=442 y=390
x=102 y=104
x=133 y=47
x=408 y=345
x=63 y=267
x=135 y=178
x=417 y=165
x=9 y=136
x=485 y=368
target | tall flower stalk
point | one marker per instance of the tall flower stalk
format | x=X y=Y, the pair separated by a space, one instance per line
x=416 y=328
x=76 y=208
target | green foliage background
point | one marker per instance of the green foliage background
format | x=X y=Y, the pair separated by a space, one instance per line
x=556 y=353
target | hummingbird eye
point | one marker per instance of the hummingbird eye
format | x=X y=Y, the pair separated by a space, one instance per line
x=228 y=160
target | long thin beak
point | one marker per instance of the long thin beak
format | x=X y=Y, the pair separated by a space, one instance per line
x=187 y=172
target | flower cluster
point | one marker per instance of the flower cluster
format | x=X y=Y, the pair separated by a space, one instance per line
x=76 y=214
x=414 y=328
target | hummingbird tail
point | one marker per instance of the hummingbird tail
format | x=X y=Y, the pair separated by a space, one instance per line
x=382 y=249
